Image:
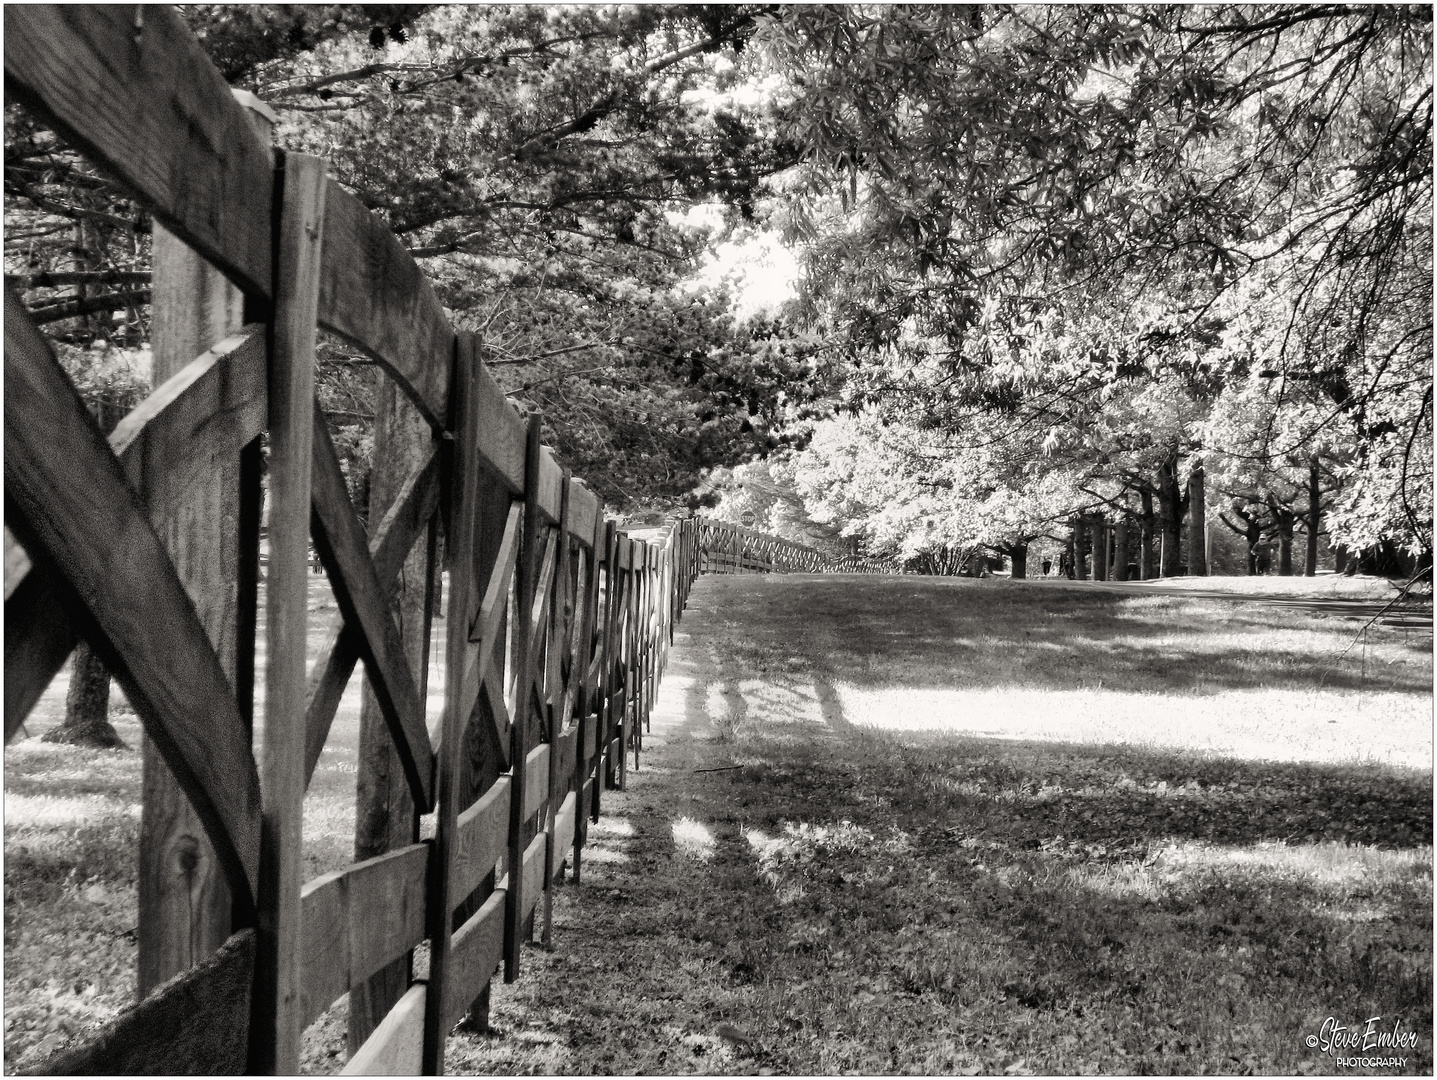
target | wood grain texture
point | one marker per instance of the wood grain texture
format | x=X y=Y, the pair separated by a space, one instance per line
x=397 y=1046
x=132 y=606
x=194 y=1024
x=483 y=831
x=132 y=88
x=211 y=407
x=536 y=780
x=535 y=860
x=363 y=601
x=357 y=920
x=563 y=835
x=586 y=514
x=324 y=943
x=398 y=531
x=388 y=899
x=274 y=1025
x=551 y=484
x=373 y=293
x=501 y=433
x=476 y=953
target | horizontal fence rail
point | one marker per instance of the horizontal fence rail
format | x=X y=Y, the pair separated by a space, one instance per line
x=557 y=627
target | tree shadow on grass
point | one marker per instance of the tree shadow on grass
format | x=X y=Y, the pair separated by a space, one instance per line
x=1165 y=905
x=952 y=632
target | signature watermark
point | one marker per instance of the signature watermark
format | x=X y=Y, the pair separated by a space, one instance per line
x=1369 y=1045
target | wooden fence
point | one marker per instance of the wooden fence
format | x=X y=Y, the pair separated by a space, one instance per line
x=557 y=624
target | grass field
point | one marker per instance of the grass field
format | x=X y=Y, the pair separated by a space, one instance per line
x=982 y=827
x=960 y=827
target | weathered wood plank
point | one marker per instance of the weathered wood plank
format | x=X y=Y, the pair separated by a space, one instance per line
x=275 y=1022
x=476 y=953
x=483 y=831
x=185 y=444
x=400 y=528
x=536 y=780
x=586 y=513
x=551 y=484
x=387 y=904
x=211 y=407
x=535 y=861
x=363 y=600
x=397 y=1046
x=373 y=293
x=357 y=920
x=324 y=964
x=133 y=607
x=133 y=89
x=501 y=438
x=563 y=835
x=591 y=741
x=564 y=747
x=194 y=1024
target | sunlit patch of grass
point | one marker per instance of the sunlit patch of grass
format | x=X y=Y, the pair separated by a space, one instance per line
x=1329 y=862
x=693 y=839
x=1297 y=725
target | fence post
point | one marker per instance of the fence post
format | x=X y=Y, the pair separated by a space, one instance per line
x=523 y=698
x=607 y=666
x=560 y=628
x=184 y=903
x=589 y=649
x=275 y=1005
x=464 y=493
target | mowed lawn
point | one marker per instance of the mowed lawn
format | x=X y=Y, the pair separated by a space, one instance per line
x=956 y=827
x=995 y=827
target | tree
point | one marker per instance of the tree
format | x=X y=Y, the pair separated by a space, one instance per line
x=1177 y=155
x=541 y=163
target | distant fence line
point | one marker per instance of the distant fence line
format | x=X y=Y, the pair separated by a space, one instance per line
x=147 y=546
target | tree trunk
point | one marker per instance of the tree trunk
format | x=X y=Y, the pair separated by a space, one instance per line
x=1100 y=549
x=1019 y=554
x=1314 y=516
x=1080 y=548
x=1197 y=524
x=1170 y=516
x=1120 y=545
x=1147 y=521
x=1285 y=522
x=87 y=706
x=1069 y=553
